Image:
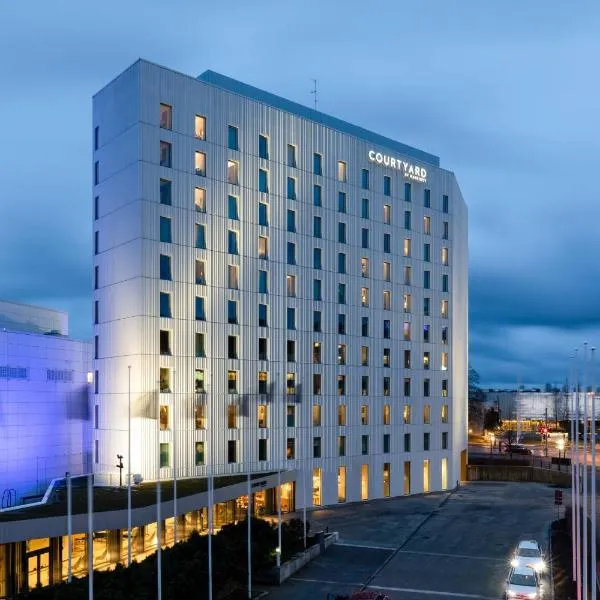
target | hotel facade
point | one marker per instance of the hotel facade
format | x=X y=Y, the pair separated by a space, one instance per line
x=274 y=290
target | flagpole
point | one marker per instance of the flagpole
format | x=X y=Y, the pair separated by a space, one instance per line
x=249 y=540
x=69 y=528
x=158 y=501
x=577 y=482
x=594 y=575
x=174 y=463
x=585 y=561
x=210 y=531
x=129 y=467
x=90 y=548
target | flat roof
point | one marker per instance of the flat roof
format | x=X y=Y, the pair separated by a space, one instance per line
x=258 y=95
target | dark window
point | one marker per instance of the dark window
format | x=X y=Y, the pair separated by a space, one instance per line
x=444 y=440
x=342 y=233
x=165 y=304
x=387 y=242
x=444 y=283
x=291 y=221
x=445 y=203
x=165 y=192
x=364 y=208
x=263 y=181
x=263 y=214
x=232 y=242
x=291 y=318
x=317 y=195
x=364 y=179
x=232 y=346
x=386 y=443
x=317 y=290
x=96 y=137
x=263 y=147
x=291 y=351
x=96 y=277
x=364 y=444
x=97 y=207
x=426 y=387
x=317 y=227
x=316 y=447
x=407 y=442
x=341 y=262
x=262 y=449
x=199 y=345
x=96 y=347
x=426 y=441
x=262 y=349
x=341 y=293
x=232 y=138
x=291 y=155
x=165 y=154
x=291 y=188
x=291 y=253
x=427 y=198
x=96 y=312
x=364 y=237
x=364 y=326
x=317 y=258
x=387 y=329
x=97 y=172
x=96 y=242
x=199 y=309
x=407 y=192
x=165 y=267
x=387 y=185
x=232 y=313
x=165 y=342
x=262 y=315
x=232 y=208
x=231 y=451
x=342 y=202
x=426 y=306
x=407 y=219
x=407 y=386
x=165 y=230
x=317 y=320
x=426 y=279
x=342 y=324
x=317 y=164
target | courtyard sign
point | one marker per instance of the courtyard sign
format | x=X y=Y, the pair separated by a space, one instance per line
x=409 y=170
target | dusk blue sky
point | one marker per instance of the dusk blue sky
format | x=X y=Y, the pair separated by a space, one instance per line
x=506 y=93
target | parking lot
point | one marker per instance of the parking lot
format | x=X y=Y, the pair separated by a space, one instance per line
x=436 y=547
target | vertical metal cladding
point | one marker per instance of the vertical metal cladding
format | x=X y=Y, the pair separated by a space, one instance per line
x=130 y=289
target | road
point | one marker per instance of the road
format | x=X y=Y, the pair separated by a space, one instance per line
x=432 y=547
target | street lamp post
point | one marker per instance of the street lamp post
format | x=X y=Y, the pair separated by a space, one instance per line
x=561 y=448
x=492 y=438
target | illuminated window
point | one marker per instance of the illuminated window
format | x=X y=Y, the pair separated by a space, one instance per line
x=164 y=417
x=316 y=415
x=364 y=267
x=364 y=482
x=342 y=171
x=263 y=247
x=262 y=415
x=200 y=163
x=427 y=414
x=364 y=414
x=407 y=478
x=387 y=300
x=444 y=388
x=199 y=381
x=444 y=361
x=387 y=271
x=316 y=487
x=407 y=303
x=232 y=277
x=387 y=357
x=341 y=415
x=166 y=116
x=232 y=382
x=263 y=380
x=444 y=309
x=445 y=256
x=291 y=286
x=165 y=157
x=406 y=331
x=341 y=385
x=200 y=199
x=444 y=469
x=200 y=416
x=164 y=455
x=232 y=416
x=233 y=172
x=364 y=356
x=341 y=483
x=317 y=353
x=200 y=127
x=291 y=383
x=444 y=413
x=426 y=361
x=427 y=225
x=406 y=247
x=387 y=414
x=426 y=475
x=341 y=354
x=290 y=449
x=364 y=296
x=387 y=386
x=386 y=479
x=165 y=380
x=199 y=453
x=387 y=214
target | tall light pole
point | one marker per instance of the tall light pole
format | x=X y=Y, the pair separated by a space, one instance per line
x=577 y=511
x=593 y=481
x=129 y=466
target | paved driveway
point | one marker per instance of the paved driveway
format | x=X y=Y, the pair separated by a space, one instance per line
x=433 y=547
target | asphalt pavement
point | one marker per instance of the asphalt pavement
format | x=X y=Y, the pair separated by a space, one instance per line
x=437 y=547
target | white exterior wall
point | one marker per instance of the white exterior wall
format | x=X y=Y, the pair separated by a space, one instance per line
x=127 y=114
x=44 y=412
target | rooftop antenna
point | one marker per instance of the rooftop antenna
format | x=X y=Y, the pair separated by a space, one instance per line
x=314 y=91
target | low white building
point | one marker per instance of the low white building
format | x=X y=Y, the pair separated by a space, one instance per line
x=44 y=408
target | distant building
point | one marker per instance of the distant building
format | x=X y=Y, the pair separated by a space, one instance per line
x=44 y=407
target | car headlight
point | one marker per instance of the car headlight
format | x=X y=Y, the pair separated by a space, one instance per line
x=541 y=565
x=511 y=594
x=532 y=595
x=514 y=562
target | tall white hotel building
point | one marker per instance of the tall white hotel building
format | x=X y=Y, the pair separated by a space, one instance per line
x=282 y=289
